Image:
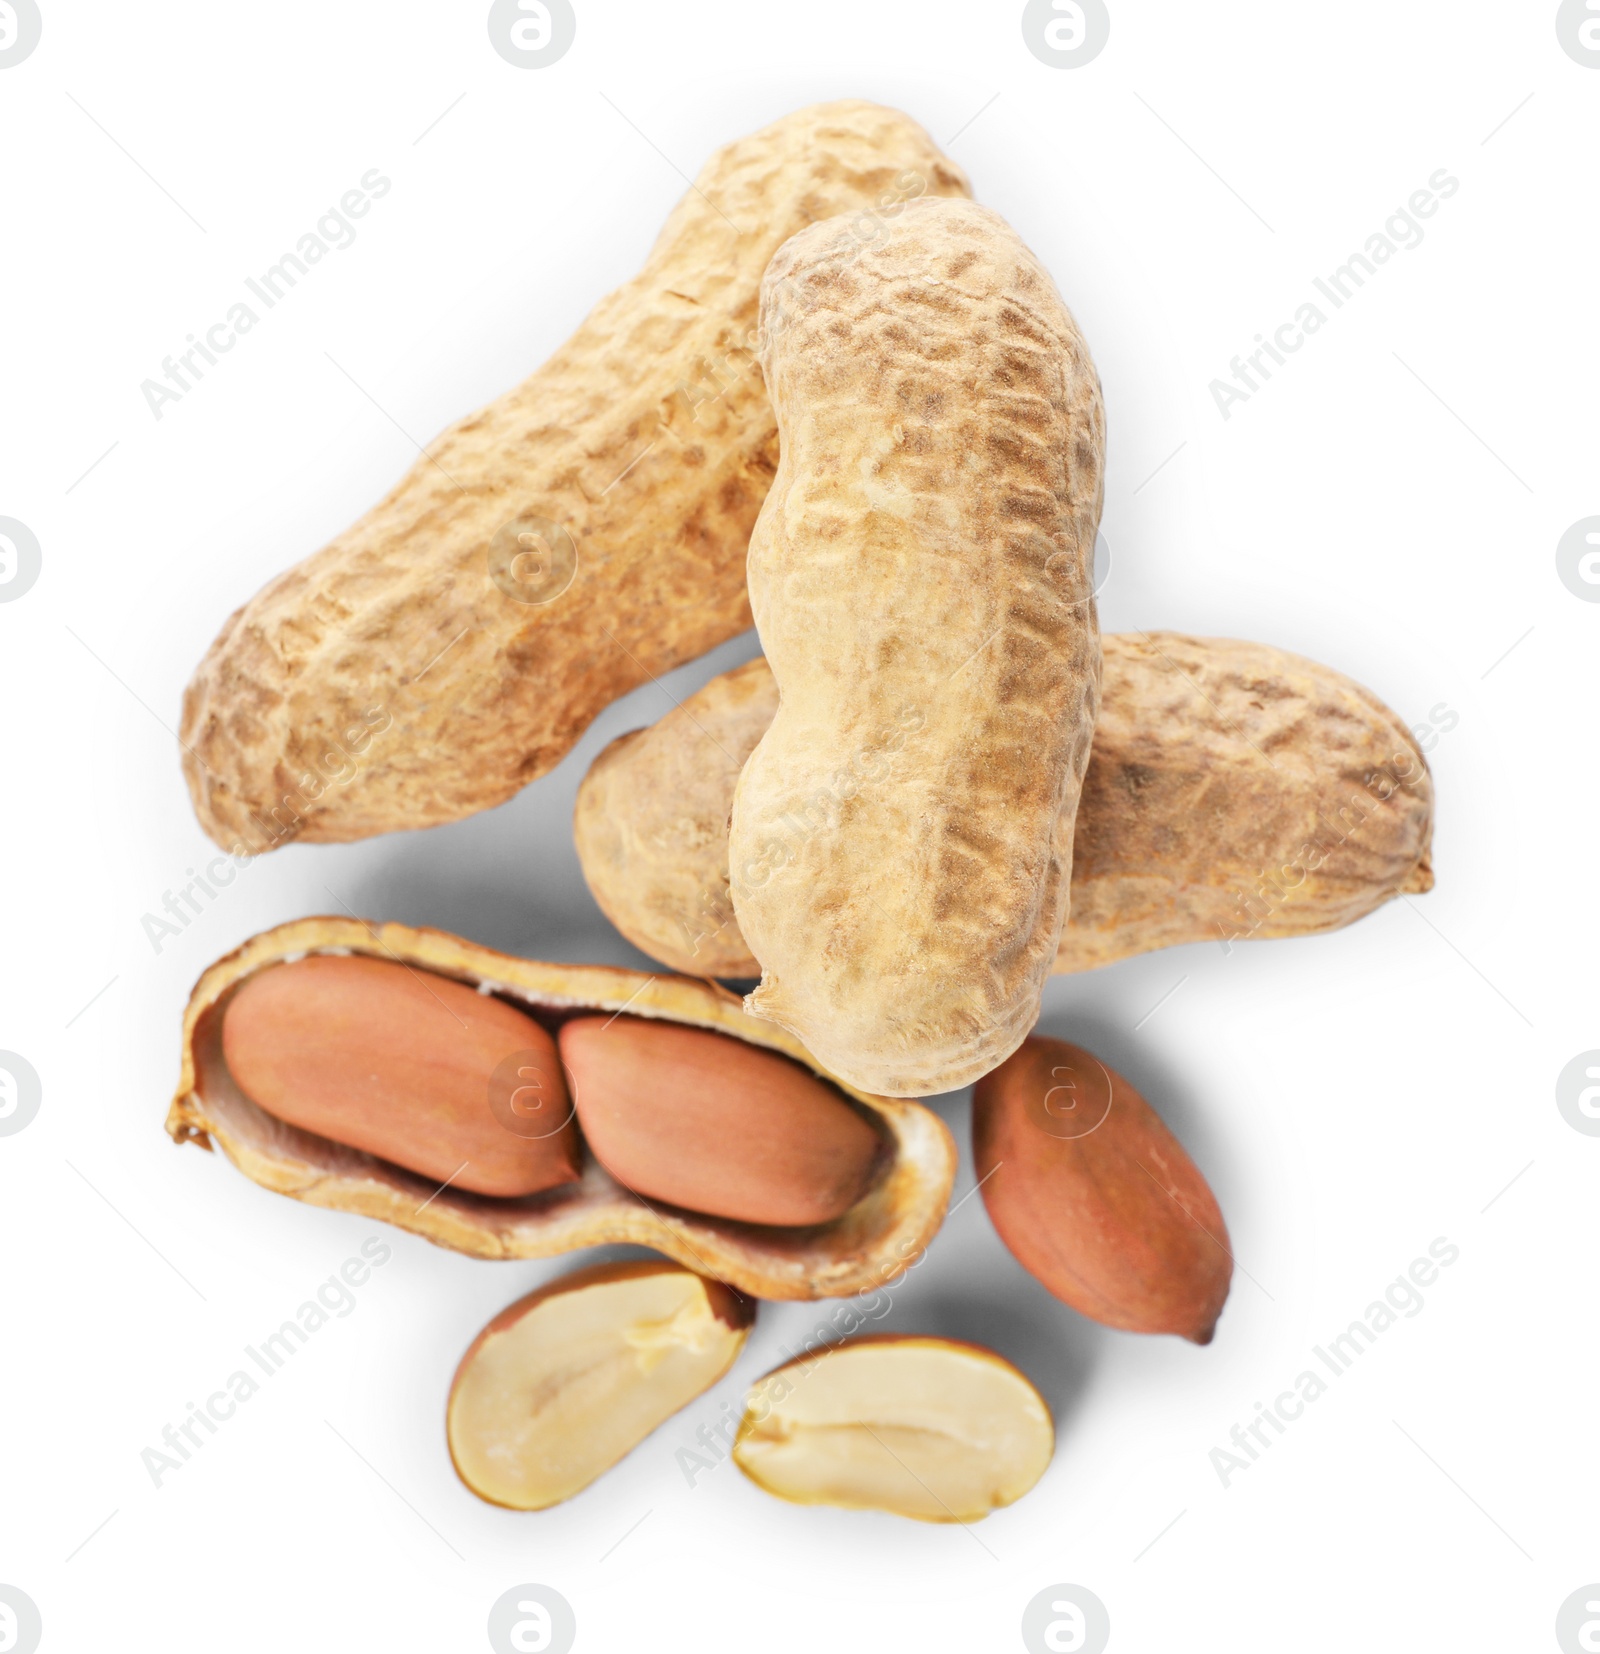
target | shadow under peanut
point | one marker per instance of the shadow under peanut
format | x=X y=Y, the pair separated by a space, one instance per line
x=509 y=878
x=970 y=1287
x=1052 y=1345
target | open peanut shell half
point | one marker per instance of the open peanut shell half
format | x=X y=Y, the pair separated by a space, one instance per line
x=875 y=1241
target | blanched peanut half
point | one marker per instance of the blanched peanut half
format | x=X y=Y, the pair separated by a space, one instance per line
x=710 y=1123
x=1095 y=1197
x=406 y=1065
x=562 y=1384
x=923 y=1427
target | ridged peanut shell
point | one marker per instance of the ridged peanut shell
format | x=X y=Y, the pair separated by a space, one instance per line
x=873 y=1243
x=580 y=535
x=919 y=576
x=1214 y=764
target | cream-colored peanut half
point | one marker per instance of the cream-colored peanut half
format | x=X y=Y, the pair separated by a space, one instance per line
x=561 y=1386
x=921 y=1427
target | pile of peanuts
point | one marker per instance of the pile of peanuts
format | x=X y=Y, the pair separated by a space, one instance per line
x=845 y=402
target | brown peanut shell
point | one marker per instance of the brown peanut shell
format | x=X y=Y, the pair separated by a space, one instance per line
x=875 y=1241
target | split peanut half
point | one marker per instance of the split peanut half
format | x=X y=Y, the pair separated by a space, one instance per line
x=868 y=1202
x=923 y=1427
x=560 y=1386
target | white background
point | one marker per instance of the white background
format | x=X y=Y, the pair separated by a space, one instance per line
x=1389 y=504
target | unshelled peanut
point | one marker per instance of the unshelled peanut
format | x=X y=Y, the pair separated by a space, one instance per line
x=575 y=538
x=920 y=580
x=1233 y=792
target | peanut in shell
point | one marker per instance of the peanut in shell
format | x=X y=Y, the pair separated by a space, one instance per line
x=580 y=535
x=1234 y=792
x=919 y=576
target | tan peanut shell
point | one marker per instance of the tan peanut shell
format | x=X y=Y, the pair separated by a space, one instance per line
x=919 y=576
x=1215 y=763
x=874 y=1242
x=583 y=533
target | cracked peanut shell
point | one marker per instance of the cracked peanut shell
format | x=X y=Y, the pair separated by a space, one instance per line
x=874 y=1242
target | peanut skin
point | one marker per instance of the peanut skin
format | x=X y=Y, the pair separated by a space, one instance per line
x=401 y=1064
x=919 y=578
x=1095 y=1197
x=1215 y=764
x=705 y=1122
x=391 y=680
